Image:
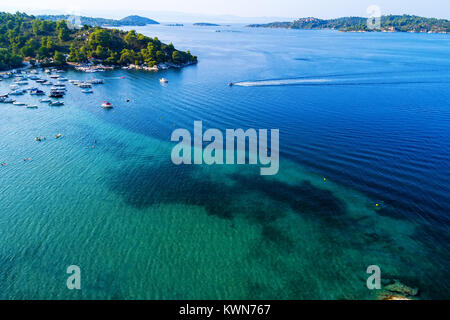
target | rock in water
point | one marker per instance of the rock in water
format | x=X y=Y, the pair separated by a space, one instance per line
x=401 y=288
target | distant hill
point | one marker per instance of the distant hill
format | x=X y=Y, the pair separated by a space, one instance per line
x=391 y=23
x=205 y=24
x=98 y=22
x=136 y=21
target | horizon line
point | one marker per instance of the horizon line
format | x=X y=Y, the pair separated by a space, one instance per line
x=147 y=14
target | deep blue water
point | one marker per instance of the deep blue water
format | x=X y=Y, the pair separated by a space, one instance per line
x=370 y=112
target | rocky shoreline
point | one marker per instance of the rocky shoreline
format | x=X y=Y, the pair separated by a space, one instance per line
x=101 y=67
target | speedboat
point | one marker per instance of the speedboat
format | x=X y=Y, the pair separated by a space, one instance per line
x=41 y=80
x=33 y=77
x=33 y=106
x=163 y=80
x=56 y=103
x=45 y=100
x=17 y=103
x=107 y=105
x=87 y=91
x=47 y=83
x=54 y=76
x=63 y=79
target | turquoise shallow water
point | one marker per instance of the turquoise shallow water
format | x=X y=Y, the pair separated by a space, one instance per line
x=368 y=111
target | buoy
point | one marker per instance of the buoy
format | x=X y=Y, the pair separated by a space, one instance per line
x=324 y=179
x=377 y=205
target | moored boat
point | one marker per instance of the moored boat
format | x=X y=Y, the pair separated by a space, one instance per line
x=56 y=103
x=96 y=81
x=56 y=94
x=37 y=92
x=84 y=85
x=16 y=93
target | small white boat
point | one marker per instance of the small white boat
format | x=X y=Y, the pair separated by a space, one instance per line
x=45 y=100
x=163 y=80
x=32 y=106
x=54 y=76
x=22 y=82
x=56 y=103
x=62 y=89
x=63 y=79
x=87 y=91
x=17 y=103
x=107 y=105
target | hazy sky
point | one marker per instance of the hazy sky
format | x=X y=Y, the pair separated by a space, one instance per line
x=242 y=8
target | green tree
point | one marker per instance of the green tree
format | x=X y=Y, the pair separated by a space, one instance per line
x=177 y=57
x=59 y=58
x=43 y=53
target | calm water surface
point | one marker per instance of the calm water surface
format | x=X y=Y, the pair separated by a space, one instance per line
x=370 y=112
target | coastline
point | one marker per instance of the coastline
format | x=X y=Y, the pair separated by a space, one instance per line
x=352 y=31
x=100 y=67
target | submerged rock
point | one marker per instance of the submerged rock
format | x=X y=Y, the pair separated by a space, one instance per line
x=389 y=296
x=402 y=289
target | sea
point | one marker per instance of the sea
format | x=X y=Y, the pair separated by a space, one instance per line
x=364 y=177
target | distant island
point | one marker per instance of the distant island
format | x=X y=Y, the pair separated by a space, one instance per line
x=390 y=23
x=205 y=24
x=45 y=42
x=98 y=22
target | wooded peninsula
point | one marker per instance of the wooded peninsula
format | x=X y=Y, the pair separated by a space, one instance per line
x=390 y=23
x=25 y=37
